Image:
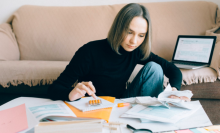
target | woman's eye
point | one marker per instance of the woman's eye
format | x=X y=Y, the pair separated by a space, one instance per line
x=129 y=32
x=141 y=35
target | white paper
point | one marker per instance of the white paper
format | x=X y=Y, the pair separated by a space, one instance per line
x=83 y=104
x=163 y=96
x=55 y=108
x=161 y=113
x=148 y=101
x=168 y=88
x=197 y=119
x=163 y=99
x=129 y=100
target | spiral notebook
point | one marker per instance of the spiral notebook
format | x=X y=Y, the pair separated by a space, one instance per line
x=83 y=104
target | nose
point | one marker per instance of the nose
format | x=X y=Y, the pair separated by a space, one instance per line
x=133 y=40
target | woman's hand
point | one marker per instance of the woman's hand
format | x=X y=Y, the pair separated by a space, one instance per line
x=81 y=89
x=176 y=97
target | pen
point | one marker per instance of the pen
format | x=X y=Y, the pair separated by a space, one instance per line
x=123 y=104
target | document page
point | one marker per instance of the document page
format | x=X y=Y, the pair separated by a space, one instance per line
x=160 y=113
x=163 y=99
x=55 y=108
x=197 y=119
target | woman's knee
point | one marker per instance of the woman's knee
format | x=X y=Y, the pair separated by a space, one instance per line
x=153 y=67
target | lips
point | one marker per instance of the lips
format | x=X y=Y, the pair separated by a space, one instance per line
x=130 y=46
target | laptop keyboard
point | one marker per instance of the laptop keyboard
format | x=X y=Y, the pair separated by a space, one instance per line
x=183 y=63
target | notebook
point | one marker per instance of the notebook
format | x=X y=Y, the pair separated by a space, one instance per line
x=192 y=52
x=95 y=114
x=83 y=104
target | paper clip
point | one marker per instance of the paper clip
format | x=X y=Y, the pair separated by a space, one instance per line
x=95 y=102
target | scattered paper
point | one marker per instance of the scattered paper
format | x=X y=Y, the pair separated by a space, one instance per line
x=129 y=100
x=163 y=99
x=13 y=119
x=163 y=96
x=55 y=108
x=160 y=113
x=168 y=88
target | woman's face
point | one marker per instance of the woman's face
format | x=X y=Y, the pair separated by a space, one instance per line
x=136 y=34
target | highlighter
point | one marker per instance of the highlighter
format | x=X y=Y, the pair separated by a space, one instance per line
x=123 y=104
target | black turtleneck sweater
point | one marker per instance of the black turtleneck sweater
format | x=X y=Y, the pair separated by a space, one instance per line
x=108 y=71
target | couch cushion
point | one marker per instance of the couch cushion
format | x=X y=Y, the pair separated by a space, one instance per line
x=55 y=33
x=30 y=73
x=8 y=44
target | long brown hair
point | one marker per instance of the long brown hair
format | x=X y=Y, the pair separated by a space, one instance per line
x=121 y=25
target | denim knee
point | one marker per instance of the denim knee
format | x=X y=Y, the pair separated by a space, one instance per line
x=154 y=68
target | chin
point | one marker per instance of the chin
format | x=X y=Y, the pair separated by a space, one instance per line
x=129 y=50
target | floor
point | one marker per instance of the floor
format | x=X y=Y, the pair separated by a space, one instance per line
x=212 y=109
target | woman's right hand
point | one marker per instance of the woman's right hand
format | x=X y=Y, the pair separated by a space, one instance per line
x=81 y=89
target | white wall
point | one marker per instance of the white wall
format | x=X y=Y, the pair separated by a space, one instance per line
x=7 y=7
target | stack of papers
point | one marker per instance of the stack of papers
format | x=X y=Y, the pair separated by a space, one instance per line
x=48 y=109
x=81 y=126
x=24 y=113
x=162 y=109
x=161 y=113
x=163 y=99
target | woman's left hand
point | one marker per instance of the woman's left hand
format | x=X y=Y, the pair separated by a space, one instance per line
x=182 y=97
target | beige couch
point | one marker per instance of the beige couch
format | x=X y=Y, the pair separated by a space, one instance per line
x=38 y=42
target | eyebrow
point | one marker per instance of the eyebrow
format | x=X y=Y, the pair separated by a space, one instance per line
x=140 y=33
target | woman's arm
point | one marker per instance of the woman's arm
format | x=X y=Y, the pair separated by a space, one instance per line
x=79 y=66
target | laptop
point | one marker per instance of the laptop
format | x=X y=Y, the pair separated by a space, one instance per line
x=192 y=52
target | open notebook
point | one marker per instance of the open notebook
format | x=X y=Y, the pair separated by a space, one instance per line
x=83 y=104
x=95 y=114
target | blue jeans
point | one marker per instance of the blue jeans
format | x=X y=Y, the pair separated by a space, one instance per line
x=148 y=82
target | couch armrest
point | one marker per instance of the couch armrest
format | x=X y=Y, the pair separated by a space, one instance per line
x=30 y=73
x=8 y=45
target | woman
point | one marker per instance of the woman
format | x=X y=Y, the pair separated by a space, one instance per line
x=103 y=67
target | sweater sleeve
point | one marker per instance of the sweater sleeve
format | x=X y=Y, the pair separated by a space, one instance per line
x=79 y=66
x=169 y=69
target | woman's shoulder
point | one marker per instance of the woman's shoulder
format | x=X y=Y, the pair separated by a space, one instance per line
x=93 y=46
x=96 y=43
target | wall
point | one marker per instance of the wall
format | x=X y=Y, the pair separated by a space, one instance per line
x=7 y=7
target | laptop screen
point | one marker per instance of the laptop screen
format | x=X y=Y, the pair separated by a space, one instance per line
x=194 y=49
